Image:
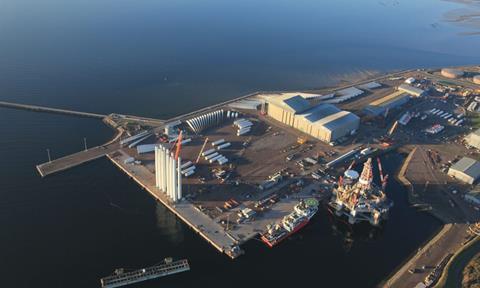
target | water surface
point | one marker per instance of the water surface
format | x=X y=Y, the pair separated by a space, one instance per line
x=162 y=58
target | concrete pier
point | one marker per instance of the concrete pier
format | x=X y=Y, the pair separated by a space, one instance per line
x=211 y=231
x=76 y=159
x=50 y=110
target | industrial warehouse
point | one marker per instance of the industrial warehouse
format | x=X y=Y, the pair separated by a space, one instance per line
x=323 y=121
x=391 y=101
x=466 y=170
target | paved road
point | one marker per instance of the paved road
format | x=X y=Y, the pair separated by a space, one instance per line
x=449 y=240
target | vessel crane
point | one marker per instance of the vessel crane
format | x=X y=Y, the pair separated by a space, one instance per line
x=383 y=178
x=201 y=150
x=351 y=165
x=394 y=127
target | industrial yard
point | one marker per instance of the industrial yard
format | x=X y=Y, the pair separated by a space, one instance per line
x=235 y=170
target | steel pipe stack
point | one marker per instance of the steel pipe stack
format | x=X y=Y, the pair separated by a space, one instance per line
x=168 y=176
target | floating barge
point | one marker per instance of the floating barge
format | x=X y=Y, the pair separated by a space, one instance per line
x=122 y=278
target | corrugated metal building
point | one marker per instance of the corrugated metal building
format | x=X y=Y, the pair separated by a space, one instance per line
x=391 y=101
x=473 y=196
x=466 y=170
x=473 y=139
x=325 y=121
x=417 y=92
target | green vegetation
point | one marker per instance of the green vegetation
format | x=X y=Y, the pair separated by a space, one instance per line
x=471 y=273
x=453 y=275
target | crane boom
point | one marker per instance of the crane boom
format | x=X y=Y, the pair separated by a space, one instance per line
x=351 y=165
x=394 y=127
x=179 y=145
x=383 y=178
x=201 y=150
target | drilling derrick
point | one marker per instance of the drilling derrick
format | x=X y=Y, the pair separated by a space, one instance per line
x=366 y=178
x=359 y=198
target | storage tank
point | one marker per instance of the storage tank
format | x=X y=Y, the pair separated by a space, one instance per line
x=476 y=79
x=452 y=73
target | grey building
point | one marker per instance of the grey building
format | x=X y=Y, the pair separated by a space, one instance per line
x=414 y=91
x=466 y=170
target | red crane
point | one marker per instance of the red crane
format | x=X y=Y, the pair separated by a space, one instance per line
x=177 y=143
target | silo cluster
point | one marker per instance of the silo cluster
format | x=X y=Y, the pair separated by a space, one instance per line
x=168 y=177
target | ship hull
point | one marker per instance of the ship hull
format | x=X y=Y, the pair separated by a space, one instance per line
x=271 y=244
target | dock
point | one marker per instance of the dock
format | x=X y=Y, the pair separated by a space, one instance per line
x=121 y=278
x=37 y=108
x=211 y=231
x=76 y=159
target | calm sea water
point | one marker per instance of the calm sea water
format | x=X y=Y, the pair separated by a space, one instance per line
x=162 y=58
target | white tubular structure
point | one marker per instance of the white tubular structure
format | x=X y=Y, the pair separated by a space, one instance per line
x=186 y=164
x=215 y=158
x=225 y=145
x=202 y=122
x=209 y=151
x=186 y=141
x=188 y=169
x=168 y=175
x=210 y=156
x=218 y=142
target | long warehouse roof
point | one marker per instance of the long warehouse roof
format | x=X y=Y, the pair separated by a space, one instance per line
x=389 y=98
x=319 y=112
x=295 y=104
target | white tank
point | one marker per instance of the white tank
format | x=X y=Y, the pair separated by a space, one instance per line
x=452 y=73
x=351 y=174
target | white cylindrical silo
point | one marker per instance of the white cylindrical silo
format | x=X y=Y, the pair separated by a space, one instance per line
x=157 y=172
x=169 y=175
x=174 y=177
x=179 y=179
x=165 y=170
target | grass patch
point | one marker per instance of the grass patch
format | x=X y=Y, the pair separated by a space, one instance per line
x=453 y=275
